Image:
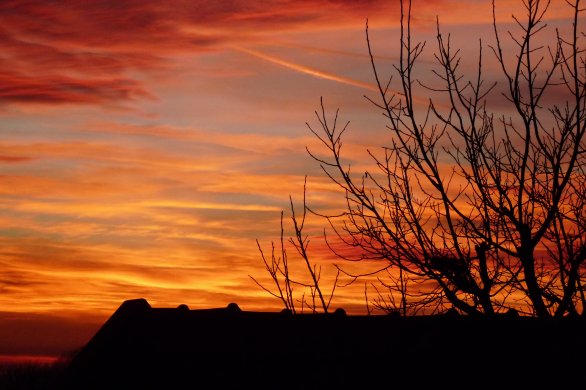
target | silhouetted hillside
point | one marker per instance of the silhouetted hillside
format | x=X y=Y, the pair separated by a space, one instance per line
x=141 y=347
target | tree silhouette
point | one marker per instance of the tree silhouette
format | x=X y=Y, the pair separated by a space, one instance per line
x=469 y=209
x=279 y=270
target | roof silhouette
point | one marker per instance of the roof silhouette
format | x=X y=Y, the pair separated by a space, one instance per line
x=140 y=347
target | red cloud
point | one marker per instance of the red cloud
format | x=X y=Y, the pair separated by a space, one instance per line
x=14 y=159
x=17 y=87
x=82 y=51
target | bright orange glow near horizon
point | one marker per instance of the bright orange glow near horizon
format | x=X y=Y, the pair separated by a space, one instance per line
x=146 y=145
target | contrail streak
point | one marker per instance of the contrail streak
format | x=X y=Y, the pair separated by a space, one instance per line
x=323 y=75
x=308 y=70
x=345 y=52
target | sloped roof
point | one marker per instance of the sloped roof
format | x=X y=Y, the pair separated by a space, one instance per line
x=141 y=347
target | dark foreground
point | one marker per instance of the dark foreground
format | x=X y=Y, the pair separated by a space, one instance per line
x=141 y=347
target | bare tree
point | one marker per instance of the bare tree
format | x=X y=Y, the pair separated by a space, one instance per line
x=312 y=295
x=482 y=212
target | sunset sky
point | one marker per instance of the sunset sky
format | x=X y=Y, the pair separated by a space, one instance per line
x=145 y=145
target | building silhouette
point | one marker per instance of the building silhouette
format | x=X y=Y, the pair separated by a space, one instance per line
x=141 y=347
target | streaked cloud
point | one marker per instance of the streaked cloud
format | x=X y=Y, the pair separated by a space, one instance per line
x=80 y=52
x=141 y=155
x=90 y=53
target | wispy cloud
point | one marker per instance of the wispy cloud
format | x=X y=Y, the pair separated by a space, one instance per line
x=83 y=52
x=165 y=201
x=89 y=52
